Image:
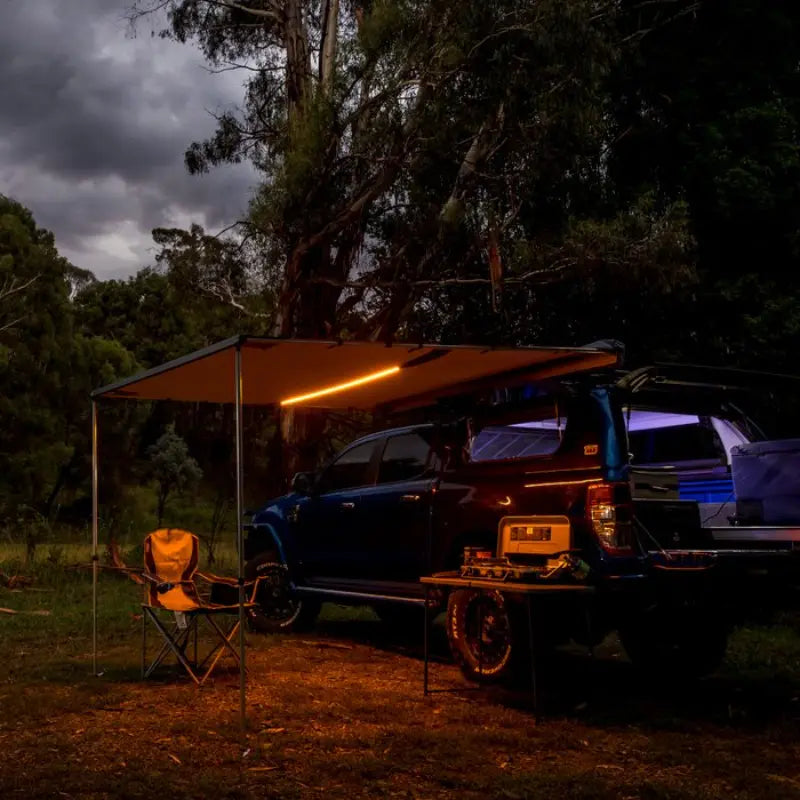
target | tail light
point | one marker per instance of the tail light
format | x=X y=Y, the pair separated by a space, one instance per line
x=610 y=512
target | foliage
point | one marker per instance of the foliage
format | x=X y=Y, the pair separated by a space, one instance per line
x=706 y=109
x=631 y=167
x=425 y=128
x=46 y=373
x=171 y=467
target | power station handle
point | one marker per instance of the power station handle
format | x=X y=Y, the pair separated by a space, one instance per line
x=410 y=498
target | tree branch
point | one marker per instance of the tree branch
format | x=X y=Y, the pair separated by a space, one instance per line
x=372 y=186
x=224 y=293
x=272 y=13
x=10 y=287
x=554 y=270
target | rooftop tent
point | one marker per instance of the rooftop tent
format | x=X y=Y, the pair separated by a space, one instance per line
x=250 y=370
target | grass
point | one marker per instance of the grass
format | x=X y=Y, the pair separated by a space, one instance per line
x=339 y=712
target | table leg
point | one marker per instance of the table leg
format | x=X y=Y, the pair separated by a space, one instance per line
x=532 y=646
x=425 y=643
x=480 y=632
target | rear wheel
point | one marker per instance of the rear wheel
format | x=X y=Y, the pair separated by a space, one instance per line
x=683 y=643
x=485 y=633
x=279 y=609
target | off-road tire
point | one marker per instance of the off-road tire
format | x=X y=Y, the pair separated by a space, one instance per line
x=487 y=635
x=279 y=609
x=683 y=645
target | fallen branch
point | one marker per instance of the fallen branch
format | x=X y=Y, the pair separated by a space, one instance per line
x=38 y=613
x=15 y=581
x=334 y=645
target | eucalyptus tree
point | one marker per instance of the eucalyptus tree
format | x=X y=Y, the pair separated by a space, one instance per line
x=400 y=142
x=406 y=149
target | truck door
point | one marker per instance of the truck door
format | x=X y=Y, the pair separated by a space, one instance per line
x=396 y=511
x=330 y=530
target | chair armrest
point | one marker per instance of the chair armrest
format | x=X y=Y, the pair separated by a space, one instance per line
x=163 y=586
x=231 y=583
x=211 y=578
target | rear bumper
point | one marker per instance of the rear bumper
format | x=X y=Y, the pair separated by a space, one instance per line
x=780 y=537
x=748 y=583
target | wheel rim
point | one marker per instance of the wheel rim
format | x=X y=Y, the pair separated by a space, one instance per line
x=487 y=632
x=275 y=597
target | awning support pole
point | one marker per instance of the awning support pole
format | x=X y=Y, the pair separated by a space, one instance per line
x=94 y=536
x=239 y=530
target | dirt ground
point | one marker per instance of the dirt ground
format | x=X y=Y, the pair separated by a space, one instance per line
x=340 y=713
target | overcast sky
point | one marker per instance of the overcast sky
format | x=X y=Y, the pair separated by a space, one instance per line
x=93 y=126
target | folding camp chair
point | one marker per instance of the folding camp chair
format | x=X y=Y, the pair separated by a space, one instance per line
x=170 y=567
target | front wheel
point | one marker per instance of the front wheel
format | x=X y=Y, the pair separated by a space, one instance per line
x=279 y=609
x=485 y=634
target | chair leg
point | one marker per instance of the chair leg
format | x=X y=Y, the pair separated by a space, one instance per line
x=144 y=643
x=225 y=643
x=162 y=653
x=181 y=638
x=226 y=637
x=176 y=647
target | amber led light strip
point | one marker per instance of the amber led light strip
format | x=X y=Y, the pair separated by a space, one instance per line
x=340 y=387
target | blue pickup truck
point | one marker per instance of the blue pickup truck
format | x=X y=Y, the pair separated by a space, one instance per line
x=636 y=476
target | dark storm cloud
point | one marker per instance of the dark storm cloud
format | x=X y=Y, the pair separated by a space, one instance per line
x=94 y=124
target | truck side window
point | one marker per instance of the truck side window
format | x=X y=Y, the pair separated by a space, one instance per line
x=349 y=470
x=405 y=458
x=499 y=442
x=673 y=444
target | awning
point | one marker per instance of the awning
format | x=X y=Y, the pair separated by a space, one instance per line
x=365 y=375
x=250 y=370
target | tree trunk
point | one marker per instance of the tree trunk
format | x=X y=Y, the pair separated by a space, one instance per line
x=308 y=310
x=63 y=472
x=301 y=430
x=327 y=53
x=297 y=59
x=162 y=503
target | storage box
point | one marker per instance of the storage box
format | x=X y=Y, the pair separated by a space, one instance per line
x=766 y=476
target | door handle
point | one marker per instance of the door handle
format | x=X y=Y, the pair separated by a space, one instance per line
x=410 y=498
x=347 y=506
x=655 y=487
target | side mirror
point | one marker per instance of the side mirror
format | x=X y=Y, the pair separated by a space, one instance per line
x=303 y=483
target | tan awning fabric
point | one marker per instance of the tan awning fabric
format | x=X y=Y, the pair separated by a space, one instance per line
x=277 y=369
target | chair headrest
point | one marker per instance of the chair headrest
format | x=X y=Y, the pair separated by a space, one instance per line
x=172 y=551
x=170 y=535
